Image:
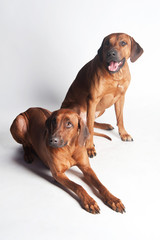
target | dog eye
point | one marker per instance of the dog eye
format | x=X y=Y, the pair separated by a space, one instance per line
x=68 y=125
x=123 y=43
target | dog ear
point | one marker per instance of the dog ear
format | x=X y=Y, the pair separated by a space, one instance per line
x=49 y=120
x=83 y=132
x=48 y=123
x=136 y=50
x=100 y=52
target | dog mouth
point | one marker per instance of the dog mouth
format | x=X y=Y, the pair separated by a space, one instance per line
x=58 y=146
x=115 y=66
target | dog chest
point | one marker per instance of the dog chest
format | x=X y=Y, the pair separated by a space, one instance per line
x=111 y=97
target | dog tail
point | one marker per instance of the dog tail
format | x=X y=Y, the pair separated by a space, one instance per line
x=102 y=135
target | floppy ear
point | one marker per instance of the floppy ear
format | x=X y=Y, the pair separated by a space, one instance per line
x=49 y=120
x=48 y=124
x=83 y=132
x=136 y=50
x=100 y=52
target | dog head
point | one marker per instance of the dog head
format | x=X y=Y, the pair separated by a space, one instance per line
x=116 y=49
x=64 y=128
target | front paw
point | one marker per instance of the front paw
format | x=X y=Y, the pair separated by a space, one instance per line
x=91 y=152
x=91 y=206
x=115 y=204
x=126 y=137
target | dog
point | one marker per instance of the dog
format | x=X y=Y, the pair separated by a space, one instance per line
x=58 y=139
x=103 y=82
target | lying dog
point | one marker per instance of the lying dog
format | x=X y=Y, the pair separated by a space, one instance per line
x=103 y=82
x=58 y=140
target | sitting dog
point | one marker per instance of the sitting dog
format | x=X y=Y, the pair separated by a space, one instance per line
x=103 y=82
x=58 y=139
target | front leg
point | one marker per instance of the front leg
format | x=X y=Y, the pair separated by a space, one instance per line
x=109 y=199
x=119 y=115
x=87 y=202
x=91 y=108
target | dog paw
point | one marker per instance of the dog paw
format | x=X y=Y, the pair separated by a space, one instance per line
x=28 y=158
x=91 y=152
x=91 y=206
x=28 y=154
x=115 y=204
x=108 y=126
x=126 y=138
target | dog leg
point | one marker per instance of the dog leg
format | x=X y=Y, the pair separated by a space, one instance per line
x=29 y=154
x=90 y=124
x=104 y=126
x=19 y=130
x=110 y=200
x=119 y=115
x=87 y=202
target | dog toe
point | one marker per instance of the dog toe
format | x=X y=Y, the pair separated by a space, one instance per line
x=126 y=138
x=109 y=127
x=92 y=207
x=91 y=152
x=115 y=204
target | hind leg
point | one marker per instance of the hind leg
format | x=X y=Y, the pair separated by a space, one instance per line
x=19 y=132
x=29 y=154
x=19 y=129
x=104 y=126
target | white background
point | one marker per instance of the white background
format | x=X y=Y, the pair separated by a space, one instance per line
x=43 y=44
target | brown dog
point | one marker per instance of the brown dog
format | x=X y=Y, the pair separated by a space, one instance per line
x=103 y=82
x=58 y=140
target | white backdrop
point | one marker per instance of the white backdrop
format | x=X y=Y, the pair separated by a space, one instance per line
x=43 y=44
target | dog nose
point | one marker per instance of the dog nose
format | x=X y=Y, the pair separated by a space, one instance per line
x=54 y=140
x=111 y=53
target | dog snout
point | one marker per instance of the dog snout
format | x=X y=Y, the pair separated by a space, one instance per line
x=56 y=142
x=112 y=54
